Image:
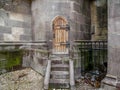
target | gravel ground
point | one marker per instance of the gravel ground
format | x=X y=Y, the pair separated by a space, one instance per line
x=25 y=79
x=28 y=79
x=82 y=85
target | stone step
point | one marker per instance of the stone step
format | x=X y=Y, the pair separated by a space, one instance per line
x=60 y=86
x=59 y=69
x=60 y=65
x=58 y=81
x=57 y=59
x=59 y=76
x=59 y=55
x=59 y=62
x=59 y=73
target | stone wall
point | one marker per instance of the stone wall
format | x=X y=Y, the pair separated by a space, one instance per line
x=77 y=13
x=80 y=19
x=15 y=20
x=36 y=56
x=80 y=27
x=99 y=20
x=113 y=74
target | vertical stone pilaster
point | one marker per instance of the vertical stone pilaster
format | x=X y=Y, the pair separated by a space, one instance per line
x=113 y=75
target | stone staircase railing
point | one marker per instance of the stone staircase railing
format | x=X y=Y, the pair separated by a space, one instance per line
x=72 y=80
x=59 y=74
x=47 y=75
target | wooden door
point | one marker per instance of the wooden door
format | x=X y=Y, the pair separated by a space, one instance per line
x=60 y=36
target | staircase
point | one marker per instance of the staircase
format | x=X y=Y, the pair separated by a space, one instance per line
x=59 y=74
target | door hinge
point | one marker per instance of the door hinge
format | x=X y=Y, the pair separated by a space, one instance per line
x=67 y=44
x=53 y=26
x=54 y=35
x=67 y=27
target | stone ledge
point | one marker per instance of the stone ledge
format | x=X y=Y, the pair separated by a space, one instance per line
x=111 y=81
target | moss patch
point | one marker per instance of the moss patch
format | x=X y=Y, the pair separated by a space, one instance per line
x=10 y=58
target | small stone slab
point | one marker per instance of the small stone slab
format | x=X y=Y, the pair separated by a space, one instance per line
x=57 y=81
x=60 y=73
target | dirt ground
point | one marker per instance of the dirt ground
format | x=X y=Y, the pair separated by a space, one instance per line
x=28 y=79
x=25 y=79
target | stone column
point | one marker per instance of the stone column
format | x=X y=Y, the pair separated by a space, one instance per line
x=112 y=80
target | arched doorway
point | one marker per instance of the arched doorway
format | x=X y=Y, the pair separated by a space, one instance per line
x=60 y=36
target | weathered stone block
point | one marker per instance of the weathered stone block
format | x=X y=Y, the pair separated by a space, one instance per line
x=117 y=10
x=16 y=16
x=8 y=37
x=77 y=1
x=3 y=17
x=2 y=22
x=17 y=31
x=87 y=21
x=18 y=6
x=80 y=35
x=113 y=67
x=111 y=26
x=86 y=36
x=25 y=37
x=110 y=9
x=72 y=35
x=5 y=29
x=19 y=17
x=1 y=37
x=13 y=23
x=78 y=27
x=117 y=2
x=113 y=39
x=76 y=7
x=63 y=5
x=117 y=24
x=28 y=31
x=107 y=87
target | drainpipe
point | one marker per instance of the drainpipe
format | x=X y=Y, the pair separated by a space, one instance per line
x=47 y=75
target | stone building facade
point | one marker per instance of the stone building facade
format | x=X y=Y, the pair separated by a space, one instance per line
x=26 y=20
x=21 y=15
x=76 y=12
x=18 y=14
